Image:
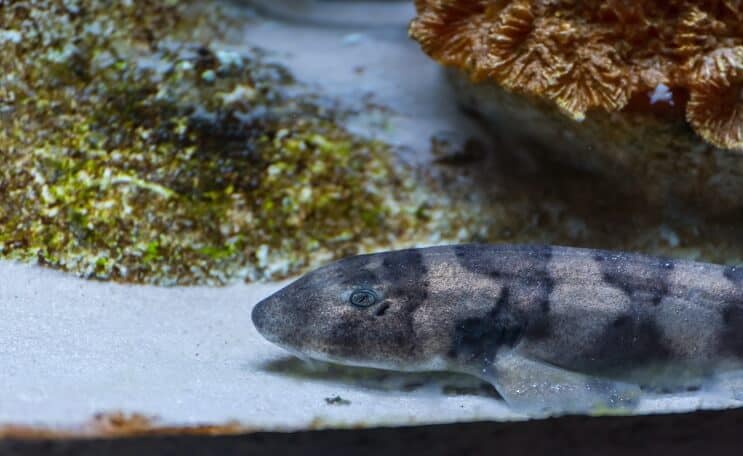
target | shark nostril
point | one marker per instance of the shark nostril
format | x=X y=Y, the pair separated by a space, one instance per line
x=382 y=309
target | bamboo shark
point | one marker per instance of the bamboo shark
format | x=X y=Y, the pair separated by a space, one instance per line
x=552 y=328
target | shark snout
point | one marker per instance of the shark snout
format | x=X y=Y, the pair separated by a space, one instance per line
x=265 y=319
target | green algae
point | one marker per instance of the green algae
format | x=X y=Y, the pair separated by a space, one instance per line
x=132 y=153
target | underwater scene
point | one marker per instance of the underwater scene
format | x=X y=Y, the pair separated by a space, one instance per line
x=227 y=216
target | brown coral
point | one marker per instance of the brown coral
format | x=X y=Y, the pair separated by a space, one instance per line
x=592 y=54
x=715 y=107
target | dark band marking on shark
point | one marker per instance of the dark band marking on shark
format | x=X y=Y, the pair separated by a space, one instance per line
x=406 y=272
x=731 y=341
x=478 y=339
x=525 y=280
x=640 y=339
x=558 y=326
x=643 y=279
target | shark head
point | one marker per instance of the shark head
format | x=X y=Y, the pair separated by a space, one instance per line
x=367 y=310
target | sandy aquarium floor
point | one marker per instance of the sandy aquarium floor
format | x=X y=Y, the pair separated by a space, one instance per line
x=71 y=348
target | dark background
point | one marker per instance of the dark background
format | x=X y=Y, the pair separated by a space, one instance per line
x=699 y=433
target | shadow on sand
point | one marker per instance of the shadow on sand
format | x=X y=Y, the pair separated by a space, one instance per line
x=444 y=383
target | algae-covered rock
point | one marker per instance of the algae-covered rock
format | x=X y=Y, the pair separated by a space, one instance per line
x=134 y=149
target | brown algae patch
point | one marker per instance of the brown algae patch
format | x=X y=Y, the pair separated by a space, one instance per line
x=117 y=424
x=132 y=155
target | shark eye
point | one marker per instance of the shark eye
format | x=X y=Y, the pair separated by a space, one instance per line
x=363 y=298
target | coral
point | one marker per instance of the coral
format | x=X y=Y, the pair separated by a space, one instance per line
x=715 y=107
x=584 y=55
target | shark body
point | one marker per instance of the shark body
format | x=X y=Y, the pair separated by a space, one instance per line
x=552 y=328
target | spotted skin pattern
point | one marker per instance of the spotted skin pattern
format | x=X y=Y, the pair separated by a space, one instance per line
x=512 y=313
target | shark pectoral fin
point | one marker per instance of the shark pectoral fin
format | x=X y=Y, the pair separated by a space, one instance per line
x=532 y=386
